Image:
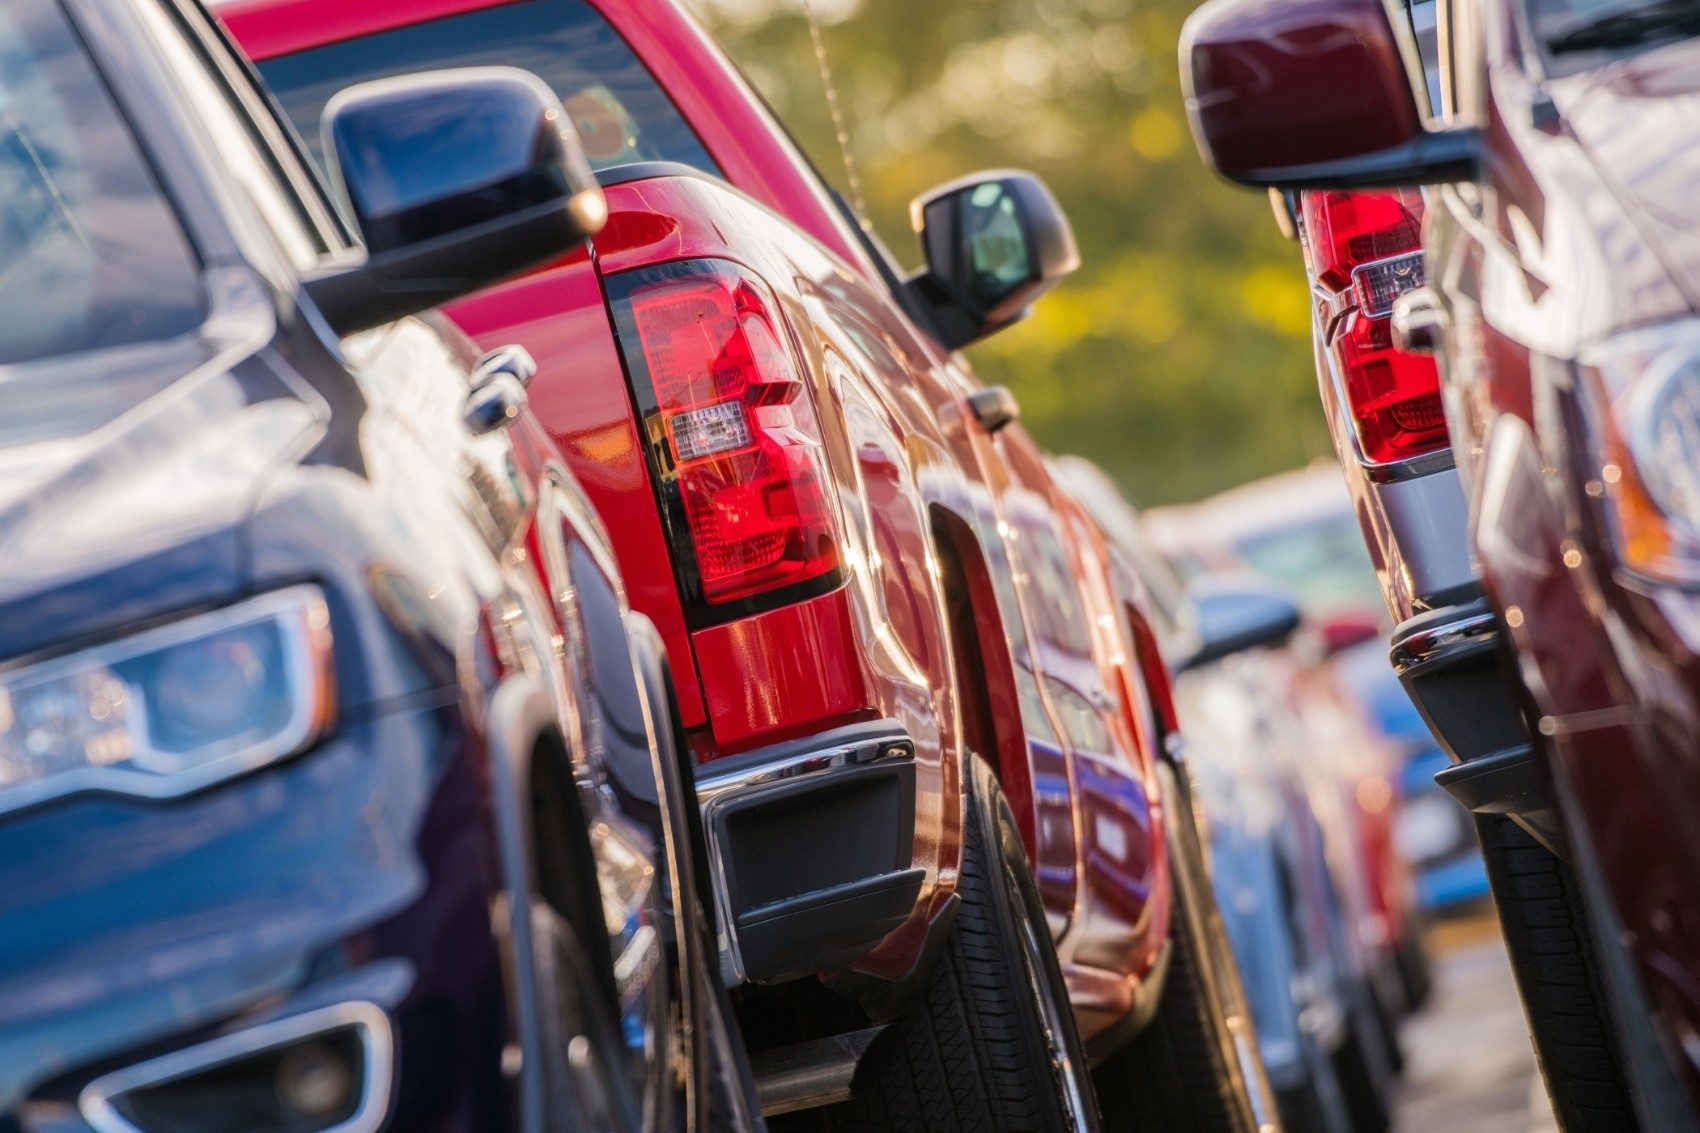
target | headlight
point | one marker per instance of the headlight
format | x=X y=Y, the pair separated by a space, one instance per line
x=1649 y=382
x=172 y=709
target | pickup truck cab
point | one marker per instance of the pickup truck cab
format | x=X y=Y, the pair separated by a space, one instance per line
x=919 y=772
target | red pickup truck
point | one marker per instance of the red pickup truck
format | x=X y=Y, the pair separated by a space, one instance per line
x=930 y=759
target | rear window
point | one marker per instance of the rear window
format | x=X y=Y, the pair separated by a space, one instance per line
x=621 y=113
x=91 y=255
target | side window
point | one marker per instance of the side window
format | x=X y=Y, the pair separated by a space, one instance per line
x=252 y=145
x=621 y=113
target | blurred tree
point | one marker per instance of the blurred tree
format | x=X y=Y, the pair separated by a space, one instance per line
x=1179 y=357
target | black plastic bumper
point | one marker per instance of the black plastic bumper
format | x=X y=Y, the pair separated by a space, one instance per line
x=1463 y=682
x=812 y=845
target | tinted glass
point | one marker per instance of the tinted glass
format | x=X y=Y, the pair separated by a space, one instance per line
x=622 y=115
x=90 y=253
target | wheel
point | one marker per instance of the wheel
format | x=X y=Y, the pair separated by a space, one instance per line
x=584 y=1055
x=1195 y=1068
x=1544 y=918
x=992 y=1045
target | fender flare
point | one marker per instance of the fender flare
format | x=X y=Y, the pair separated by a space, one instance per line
x=955 y=542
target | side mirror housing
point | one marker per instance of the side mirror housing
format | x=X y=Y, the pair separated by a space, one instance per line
x=994 y=243
x=1313 y=94
x=1234 y=619
x=455 y=180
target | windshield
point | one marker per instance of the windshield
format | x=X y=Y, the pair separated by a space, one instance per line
x=622 y=115
x=1321 y=561
x=90 y=253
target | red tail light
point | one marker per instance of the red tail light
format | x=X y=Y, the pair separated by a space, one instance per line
x=733 y=438
x=1366 y=250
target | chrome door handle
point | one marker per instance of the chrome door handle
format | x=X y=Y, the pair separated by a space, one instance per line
x=510 y=361
x=1419 y=325
x=494 y=405
x=994 y=407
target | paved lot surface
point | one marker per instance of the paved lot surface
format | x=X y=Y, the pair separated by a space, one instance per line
x=1469 y=1068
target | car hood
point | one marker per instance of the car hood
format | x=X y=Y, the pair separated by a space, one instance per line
x=1639 y=120
x=126 y=478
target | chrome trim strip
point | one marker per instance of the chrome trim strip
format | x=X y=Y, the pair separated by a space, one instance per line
x=1430 y=643
x=377 y=1046
x=866 y=749
x=1409 y=469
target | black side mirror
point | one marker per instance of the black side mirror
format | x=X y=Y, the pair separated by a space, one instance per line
x=455 y=179
x=1233 y=620
x=994 y=243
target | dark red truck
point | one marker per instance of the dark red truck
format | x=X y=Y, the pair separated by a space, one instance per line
x=935 y=786
x=1558 y=166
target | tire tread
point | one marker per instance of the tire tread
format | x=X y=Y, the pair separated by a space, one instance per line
x=1546 y=931
x=968 y=1057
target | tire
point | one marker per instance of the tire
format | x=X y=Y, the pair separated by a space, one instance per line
x=1387 y=1027
x=986 y=1048
x=1364 y=1071
x=1416 y=974
x=1315 y=1105
x=1544 y=918
x=719 y=1091
x=583 y=1050
x=1195 y=1066
x=1661 y=1102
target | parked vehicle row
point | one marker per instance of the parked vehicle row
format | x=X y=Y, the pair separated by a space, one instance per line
x=340 y=784
x=1266 y=780
x=661 y=689
x=1300 y=532
x=1510 y=193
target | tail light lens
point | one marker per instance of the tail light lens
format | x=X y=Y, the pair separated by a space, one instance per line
x=733 y=437
x=1365 y=250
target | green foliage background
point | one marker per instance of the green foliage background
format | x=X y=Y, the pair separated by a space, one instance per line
x=1178 y=357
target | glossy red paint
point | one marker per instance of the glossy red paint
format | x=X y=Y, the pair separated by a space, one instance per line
x=267 y=28
x=580 y=395
x=911 y=475
x=782 y=674
x=1275 y=85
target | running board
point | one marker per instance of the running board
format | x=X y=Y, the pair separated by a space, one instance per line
x=809 y=1075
